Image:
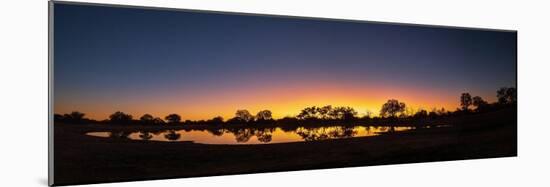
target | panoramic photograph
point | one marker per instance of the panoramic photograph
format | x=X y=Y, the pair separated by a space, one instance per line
x=143 y=93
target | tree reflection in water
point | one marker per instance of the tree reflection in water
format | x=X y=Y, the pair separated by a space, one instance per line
x=265 y=135
x=262 y=134
x=324 y=133
x=120 y=134
x=215 y=132
x=145 y=135
x=172 y=135
x=243 y=135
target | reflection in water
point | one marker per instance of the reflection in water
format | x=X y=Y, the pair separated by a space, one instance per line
x=265 y=135
x=145 y=135
x=119 y=134
x=172 y=135
x=253 y=135
x=324 y=133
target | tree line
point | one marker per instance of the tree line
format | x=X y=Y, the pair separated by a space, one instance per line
x=392 y=109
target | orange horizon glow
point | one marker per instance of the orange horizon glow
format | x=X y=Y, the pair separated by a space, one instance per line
x=200 y=66
x=283 y=101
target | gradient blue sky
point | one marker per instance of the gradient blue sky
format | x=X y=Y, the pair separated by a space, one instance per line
x=202 y=64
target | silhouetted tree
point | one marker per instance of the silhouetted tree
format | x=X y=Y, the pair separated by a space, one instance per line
x=343 y=113
x=218 y=120
x=74 y=117
x=308 y=113
x=264 y=115
x=173 y=118
x=243 y=116
x=391 y=108
x=507 y=95
x=146 y=119
x=479 y=103
x=120 y=118
x=421 y=114
x=465 y=101
x=324 y=112
x=158 y=121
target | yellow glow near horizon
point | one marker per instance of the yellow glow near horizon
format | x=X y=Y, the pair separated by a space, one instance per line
x=281 y=101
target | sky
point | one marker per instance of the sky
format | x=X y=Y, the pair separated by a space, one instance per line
x=202 y=65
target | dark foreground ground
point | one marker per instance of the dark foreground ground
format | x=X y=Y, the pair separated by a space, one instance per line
x=83 y=159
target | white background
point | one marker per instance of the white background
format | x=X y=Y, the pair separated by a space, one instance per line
x=23 y=92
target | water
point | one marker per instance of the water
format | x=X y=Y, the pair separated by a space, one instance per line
x=252 y=135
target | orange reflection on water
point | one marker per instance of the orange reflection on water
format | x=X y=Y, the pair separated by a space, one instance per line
x=253 y=136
